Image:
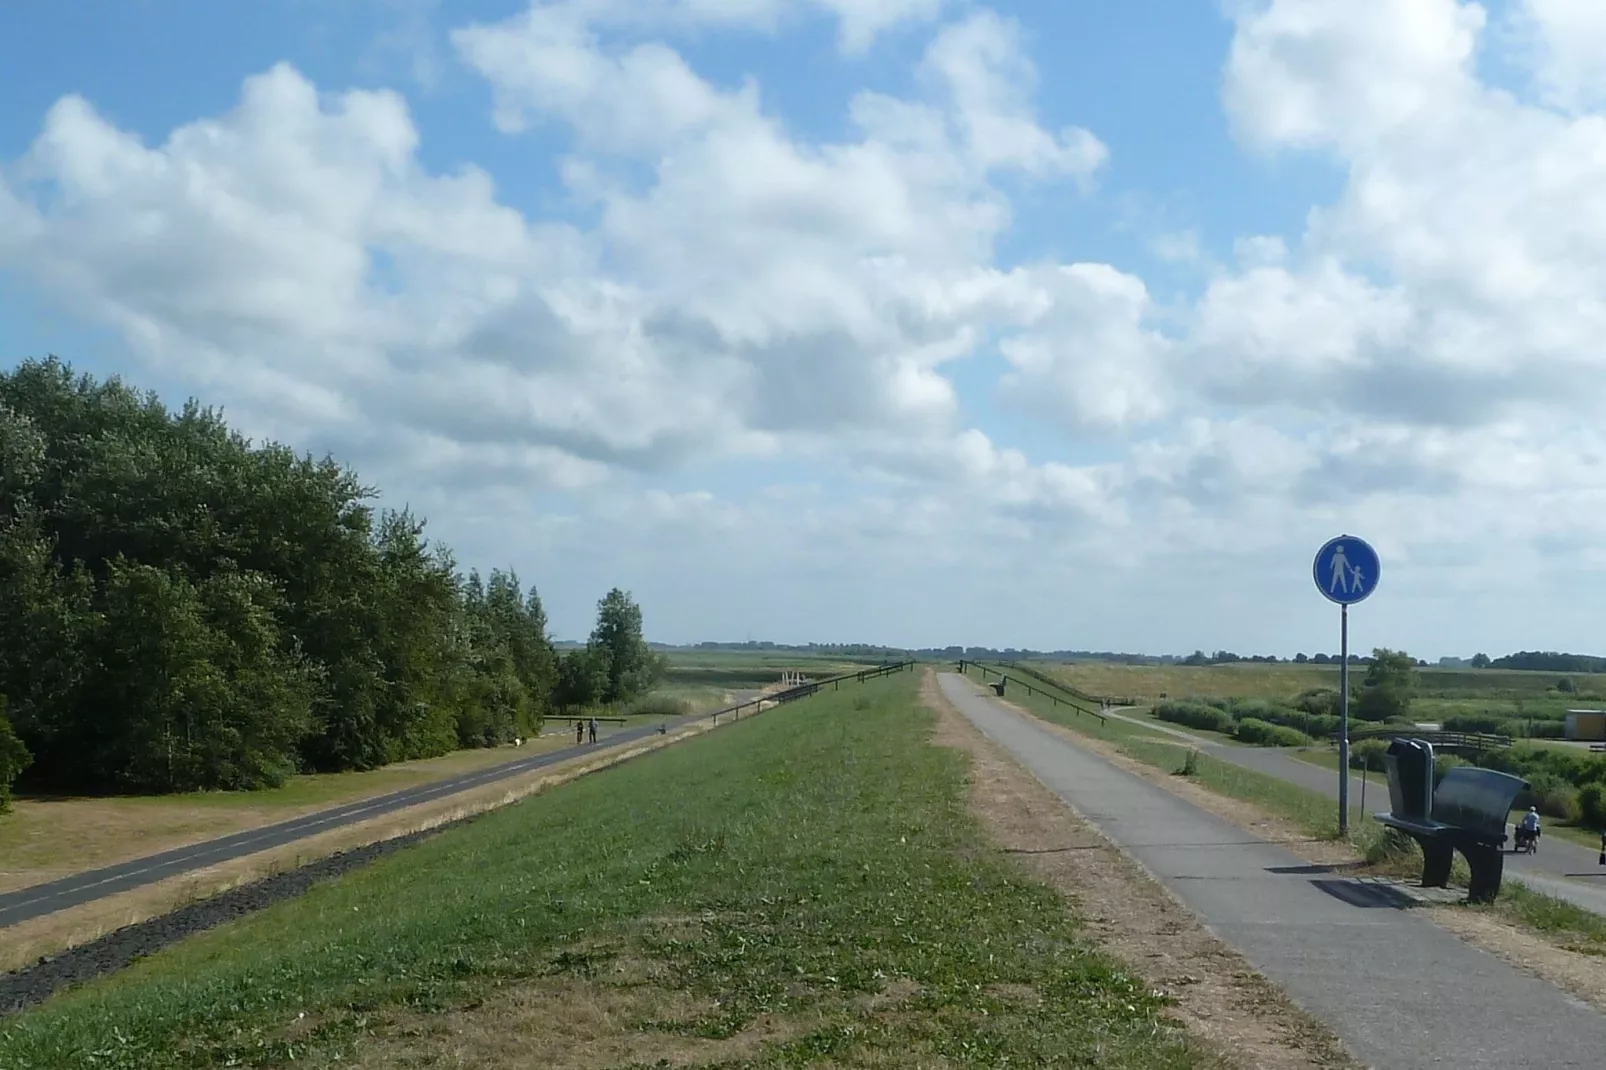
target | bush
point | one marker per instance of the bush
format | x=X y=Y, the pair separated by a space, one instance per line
x=657 y=706
x=1265 y=734
x=1368 y=754
x=1537 y=729
x=1196 y=715
x=1478 y=722
x=1320 y=701
x=14 y=758
x=1592 y=806
x=1552 y=795
x=1443 y=764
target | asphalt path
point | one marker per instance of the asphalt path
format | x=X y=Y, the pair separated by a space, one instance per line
x=1400 y=992
x=41 y=899
x=1560 y=867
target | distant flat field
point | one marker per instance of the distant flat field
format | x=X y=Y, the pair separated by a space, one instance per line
x=740 y=669
x=1485 y=688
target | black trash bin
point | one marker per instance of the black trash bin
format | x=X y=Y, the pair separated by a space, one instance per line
x=1410 y=770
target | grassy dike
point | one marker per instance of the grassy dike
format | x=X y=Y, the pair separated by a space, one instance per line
x=805 y=885
x=1557 y=919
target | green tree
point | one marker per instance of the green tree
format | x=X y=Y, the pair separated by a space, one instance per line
x=14 y=758
x=632 y=668
x=1388 y=686
x=582 y=678
x=1480 y=661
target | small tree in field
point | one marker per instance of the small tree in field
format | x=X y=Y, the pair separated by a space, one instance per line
x=1387 y=688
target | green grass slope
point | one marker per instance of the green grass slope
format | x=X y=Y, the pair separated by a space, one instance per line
x=772 y=877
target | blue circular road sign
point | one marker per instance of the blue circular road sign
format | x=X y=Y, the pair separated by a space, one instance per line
x=1345 y=570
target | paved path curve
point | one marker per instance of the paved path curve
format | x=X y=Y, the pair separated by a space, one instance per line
x=85 y=887
x=1402 y=993
x=1560 y=867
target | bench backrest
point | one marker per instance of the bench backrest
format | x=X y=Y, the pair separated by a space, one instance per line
x=1410 y=771
x=1477 y=799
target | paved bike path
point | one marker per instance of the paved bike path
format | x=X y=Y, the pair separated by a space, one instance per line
x=1560 y=867
x=1402 y=993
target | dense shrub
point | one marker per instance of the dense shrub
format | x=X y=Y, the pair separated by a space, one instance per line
x=1444 y=763
x=1321 y=701
x=1266 y=734
x=1196 y=715
x=1478 y=722
x=14 y=758
x=1552 y=795
x=657 y=706
x=1592 y=805
x=1368 y=754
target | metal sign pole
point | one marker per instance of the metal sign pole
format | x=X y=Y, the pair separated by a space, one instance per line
x=1346 y=571
x=1343 y=714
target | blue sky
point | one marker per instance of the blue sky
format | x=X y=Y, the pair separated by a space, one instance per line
x=1121 y=307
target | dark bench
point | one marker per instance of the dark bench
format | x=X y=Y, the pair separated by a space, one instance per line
x=1597 y=747
x=998 y=688
x=1466 y=812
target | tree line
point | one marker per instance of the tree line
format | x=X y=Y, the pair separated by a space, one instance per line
x=183 y=610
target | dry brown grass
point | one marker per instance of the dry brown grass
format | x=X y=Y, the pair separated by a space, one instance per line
x=26 y=941
x=574 y=1023
x=1220 y=999
x=44 y=839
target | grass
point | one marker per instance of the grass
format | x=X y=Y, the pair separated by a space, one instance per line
x=1453 y=689
x=804 y=886
x=1561 y=921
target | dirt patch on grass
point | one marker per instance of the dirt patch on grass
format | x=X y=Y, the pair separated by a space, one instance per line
x=616 y=1019
x=1219 y=998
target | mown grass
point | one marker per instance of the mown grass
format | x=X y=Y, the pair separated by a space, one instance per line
x=1561 y=921
x=823 y=850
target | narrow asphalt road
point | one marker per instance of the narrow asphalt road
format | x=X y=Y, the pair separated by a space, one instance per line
x=1402 y=993
x=1559 y=868
x=85 y=887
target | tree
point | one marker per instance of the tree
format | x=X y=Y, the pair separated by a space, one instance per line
x=1480 y=661
x=1566 y=686
x=631 y=667
x=181 y=608
x=1387 y=687
x=14 y=758
x=1300 y=659
x=582 y=678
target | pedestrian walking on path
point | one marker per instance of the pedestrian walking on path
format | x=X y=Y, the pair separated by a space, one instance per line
x=593 y=729
x=579 y=732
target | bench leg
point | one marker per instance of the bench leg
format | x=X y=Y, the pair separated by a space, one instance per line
x=1487 y=864
x=1436 y=859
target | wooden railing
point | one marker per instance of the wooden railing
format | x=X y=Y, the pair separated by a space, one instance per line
x=1060 y=695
